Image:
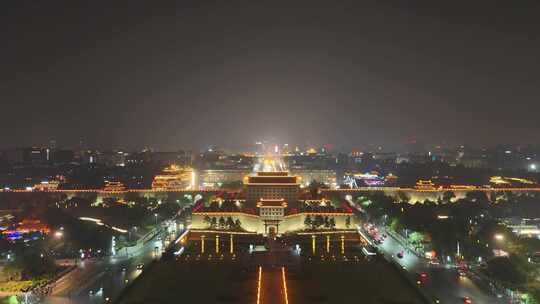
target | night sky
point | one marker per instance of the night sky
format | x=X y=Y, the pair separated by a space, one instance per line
x=188 y=74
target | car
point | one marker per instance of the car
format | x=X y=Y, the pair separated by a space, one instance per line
x=467 y=300
x=140 y=266
x=462 y=273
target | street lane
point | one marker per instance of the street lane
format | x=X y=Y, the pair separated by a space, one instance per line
x=96 y=280
x=442 y=283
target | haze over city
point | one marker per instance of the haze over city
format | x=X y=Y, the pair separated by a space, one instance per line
x=279 y=152
x=191 y=74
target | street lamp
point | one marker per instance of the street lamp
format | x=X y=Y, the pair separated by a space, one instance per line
x=155 y=216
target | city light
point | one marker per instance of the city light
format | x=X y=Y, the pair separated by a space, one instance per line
x=259 y=285
x=283 y=277
x=399 y=143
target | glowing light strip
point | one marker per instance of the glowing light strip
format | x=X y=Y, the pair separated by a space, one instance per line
x=179 y=239
x=119 y=229
x=259 y=283
x=284 y=285
x=90 y=219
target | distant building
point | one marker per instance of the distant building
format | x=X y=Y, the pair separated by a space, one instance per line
x=114 y=186
x=368 y=179
x=174 y=178
x=60 y=156
x=178 y=158
x=425 y=185
x=213 y=179
x=524 y=227
x=47 y=186
x=325 y=176
x=25 y=229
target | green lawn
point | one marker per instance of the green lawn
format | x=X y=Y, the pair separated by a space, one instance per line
x=9 y=300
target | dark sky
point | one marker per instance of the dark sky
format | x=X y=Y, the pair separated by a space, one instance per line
x=192 y=73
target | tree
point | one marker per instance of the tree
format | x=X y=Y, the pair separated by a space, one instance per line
x=416 y=238
x=403 y=197
x=476 y=197
x=213 y=223
x=506 y=270
x=237 y=224
x=30 y=264
x=448 y=196
x=221 y=222
x=308 y=222
x=348 y=222
x=229 y=223
x=396 y=225
x=326 y=222
x=207 y=220
x=319 y=221
x=332 y=223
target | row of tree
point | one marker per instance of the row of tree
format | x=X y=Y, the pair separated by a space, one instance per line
x=319 y=221
x=223 y=223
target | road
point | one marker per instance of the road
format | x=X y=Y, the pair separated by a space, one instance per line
x=95 y=281
x=443 y=283
x=269 y=164
x=273 y=266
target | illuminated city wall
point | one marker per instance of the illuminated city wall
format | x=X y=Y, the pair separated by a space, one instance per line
x=254 y=223
x=421 y=196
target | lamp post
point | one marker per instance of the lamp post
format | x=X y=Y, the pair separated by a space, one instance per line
x=327 y=244
x=202 y=243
